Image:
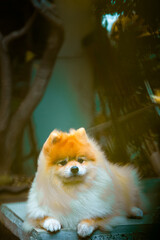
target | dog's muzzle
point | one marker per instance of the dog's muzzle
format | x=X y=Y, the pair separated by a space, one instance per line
x=74 y=170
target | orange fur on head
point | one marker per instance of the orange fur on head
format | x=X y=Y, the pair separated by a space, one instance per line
x=61 y=145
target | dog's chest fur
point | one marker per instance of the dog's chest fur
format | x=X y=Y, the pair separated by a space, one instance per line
x=97 y=201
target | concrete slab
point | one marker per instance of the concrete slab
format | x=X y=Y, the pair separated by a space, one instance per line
x=12 y=216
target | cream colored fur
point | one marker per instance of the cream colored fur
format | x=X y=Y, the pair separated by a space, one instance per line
x=108 y=191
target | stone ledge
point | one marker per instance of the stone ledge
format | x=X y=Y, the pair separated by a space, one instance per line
x=12 y=216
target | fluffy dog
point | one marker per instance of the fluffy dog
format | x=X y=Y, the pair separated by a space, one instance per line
x=76 y=187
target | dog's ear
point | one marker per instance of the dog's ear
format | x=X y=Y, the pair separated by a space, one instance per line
x=81 y=133
x=55 y=137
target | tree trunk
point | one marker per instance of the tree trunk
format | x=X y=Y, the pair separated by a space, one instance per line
x=37 y=90
x=5 y=87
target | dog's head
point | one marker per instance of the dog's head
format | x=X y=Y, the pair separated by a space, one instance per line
x=69 y=156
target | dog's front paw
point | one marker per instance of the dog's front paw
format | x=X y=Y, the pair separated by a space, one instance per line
x=136 y=212
x=84 y=229
x=51 y=225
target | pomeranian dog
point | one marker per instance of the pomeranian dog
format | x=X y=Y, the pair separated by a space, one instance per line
x=76 y=187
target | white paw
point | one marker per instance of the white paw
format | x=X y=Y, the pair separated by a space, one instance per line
x=51 y=225
x=84 y=229
x=136 y=212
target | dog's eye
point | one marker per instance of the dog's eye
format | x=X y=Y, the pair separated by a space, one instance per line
x=63 y=162
x=81 y=159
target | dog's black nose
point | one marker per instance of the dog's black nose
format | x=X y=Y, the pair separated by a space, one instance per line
x=74 y=169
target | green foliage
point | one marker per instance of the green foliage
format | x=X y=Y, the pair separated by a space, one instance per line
x=124 y=61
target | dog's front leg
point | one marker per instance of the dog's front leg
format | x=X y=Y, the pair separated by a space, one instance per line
x=50 y=224
x=87 y=226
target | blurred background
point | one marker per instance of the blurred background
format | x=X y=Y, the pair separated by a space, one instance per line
x=85 y=63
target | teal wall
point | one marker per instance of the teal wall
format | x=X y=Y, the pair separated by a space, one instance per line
x=61 y=106
x=68 y=99
x=66 y=103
